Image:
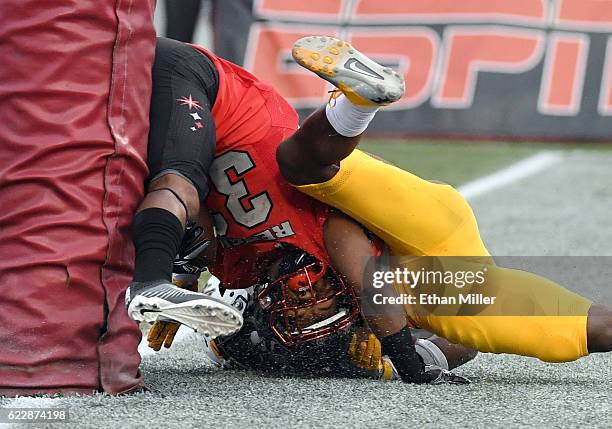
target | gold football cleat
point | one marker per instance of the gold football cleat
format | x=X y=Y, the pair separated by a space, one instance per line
x=362 y=80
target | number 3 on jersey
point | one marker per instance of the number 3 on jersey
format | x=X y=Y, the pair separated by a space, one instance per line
x=247 y=210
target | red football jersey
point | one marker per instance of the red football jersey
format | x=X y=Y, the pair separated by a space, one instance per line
x=253 y=207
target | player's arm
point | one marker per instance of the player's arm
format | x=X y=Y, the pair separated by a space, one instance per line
x=365 y=352
x=351 y=250
x=314 y=152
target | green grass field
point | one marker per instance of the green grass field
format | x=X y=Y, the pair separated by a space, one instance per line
x=455 y=162
x=560 y=209
x=458 y=162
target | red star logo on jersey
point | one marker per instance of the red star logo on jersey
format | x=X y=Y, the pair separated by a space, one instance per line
x=189 y=102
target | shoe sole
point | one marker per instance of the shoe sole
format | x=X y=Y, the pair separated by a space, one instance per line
x=363 y=81
x=206 y=316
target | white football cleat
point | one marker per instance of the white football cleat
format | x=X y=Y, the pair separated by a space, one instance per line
x=160 y=299
x=363 y=81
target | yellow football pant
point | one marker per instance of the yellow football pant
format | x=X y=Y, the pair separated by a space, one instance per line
x=420 y=218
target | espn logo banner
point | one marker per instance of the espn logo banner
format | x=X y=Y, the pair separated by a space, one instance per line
x=518 y=68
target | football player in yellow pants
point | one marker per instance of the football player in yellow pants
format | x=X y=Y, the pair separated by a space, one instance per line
x=418 y=218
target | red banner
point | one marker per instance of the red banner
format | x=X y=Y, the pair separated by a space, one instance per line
x=525 y=68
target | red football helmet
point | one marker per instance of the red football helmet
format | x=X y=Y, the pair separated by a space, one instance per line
x=306 y=300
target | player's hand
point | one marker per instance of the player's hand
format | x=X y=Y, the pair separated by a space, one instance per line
x=162 y=333
x=366 y=355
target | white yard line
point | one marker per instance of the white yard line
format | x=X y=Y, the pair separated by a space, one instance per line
x=509 y=175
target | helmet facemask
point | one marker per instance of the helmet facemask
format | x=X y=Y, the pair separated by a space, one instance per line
x=307 y=300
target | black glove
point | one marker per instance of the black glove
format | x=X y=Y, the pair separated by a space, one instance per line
x=189 y=259
x=409 y=366
x=399 y=347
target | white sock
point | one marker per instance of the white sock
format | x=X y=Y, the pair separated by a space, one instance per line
x=348 y=119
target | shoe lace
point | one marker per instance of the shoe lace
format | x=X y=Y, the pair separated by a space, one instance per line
x=333 y=95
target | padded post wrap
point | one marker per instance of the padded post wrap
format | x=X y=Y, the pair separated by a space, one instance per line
x=75 y=86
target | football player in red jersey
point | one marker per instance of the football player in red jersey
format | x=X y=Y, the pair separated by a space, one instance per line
x=353 y=352
x=239 y=209
x=211 y=118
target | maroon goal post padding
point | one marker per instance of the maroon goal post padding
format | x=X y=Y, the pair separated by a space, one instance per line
x=74 y=100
